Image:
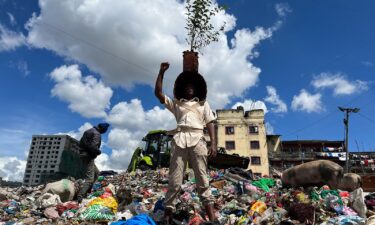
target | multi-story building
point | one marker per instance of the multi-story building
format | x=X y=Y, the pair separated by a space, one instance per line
x=244 y=133
x=286 y=154
x=51 y=156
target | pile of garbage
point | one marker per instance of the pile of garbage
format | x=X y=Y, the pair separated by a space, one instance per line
x=137 y=198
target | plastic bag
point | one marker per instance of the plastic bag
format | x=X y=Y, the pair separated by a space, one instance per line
x=66 y=206
x=109 y=202
x=47 y=200
x=142 y=219
x=258 y=207
x=97 y=213
x=264 y=183
x=51 y=213
x=357 y=199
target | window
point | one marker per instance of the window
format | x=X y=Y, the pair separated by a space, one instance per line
x=254 y=145
x=32 y=147
x=45 y=166
x=229 y=130
x=37 y=176
x=33 y=143
x=38 y=171
x=230 y=145
x=255 y=160
x=29 y=166
x=51 y=171
x=52 y=166
x=28 y=171
x=253 y=130
x=39 y=166
x=27 y=181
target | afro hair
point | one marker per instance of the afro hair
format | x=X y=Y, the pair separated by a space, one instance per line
x=193 y=78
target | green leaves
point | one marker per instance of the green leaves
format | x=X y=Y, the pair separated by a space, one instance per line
x=200 y=31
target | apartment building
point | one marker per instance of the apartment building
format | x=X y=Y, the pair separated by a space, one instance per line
x=244 y=133
x=51 y=156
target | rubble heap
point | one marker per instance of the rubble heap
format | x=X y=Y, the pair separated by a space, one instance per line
x=137 y=198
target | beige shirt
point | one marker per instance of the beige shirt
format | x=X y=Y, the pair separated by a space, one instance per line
x=188 y=118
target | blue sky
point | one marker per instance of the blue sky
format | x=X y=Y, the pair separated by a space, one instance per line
x=298 y=59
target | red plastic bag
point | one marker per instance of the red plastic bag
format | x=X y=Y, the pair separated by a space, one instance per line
x=61 y=208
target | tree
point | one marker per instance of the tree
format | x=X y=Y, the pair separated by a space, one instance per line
x=198 y=23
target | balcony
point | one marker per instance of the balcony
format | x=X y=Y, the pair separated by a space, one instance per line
x=292 y=155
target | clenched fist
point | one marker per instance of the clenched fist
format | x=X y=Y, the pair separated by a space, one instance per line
x=164 y=66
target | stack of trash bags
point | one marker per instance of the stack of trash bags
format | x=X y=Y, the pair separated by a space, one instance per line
x=137 y=198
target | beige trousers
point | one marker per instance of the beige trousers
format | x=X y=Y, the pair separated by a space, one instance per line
x=197 y=158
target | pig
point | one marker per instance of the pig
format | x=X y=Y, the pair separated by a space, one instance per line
x=314 y=173
x=64 y=188
x=350 y=182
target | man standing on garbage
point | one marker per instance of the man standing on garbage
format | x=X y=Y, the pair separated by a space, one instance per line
x=90 y=149
x=192 y=113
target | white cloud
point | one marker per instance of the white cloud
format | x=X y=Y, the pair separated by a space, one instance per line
x=367 y=63
x=130 y=123
x=85 y=95
x=283 y=9
x=274 y=99
x=269 y=128
x=78 y=134
x=12 y=168
x=10 y=40
x=21 y=66
x=249 y=104
x=339 y=83
x=12 y=20
x=307 y=102
x=110 y=38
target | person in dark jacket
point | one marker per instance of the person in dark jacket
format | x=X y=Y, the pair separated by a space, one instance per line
x=90 y=149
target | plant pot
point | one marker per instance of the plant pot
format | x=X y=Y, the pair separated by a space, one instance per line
x=190 y=62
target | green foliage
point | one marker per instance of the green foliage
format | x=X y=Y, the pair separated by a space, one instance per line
x=200 y=31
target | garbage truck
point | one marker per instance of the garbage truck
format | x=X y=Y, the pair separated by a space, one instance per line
x=156 y=150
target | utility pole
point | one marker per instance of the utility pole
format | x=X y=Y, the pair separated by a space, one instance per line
x=346 y=123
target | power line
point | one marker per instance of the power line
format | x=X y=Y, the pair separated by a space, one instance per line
x=330 y=113
x=50 y=26
x=366 y=117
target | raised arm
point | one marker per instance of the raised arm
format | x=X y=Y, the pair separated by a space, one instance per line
x=159 y=82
